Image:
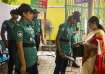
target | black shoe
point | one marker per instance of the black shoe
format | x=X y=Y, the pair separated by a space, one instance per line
x=75 y=65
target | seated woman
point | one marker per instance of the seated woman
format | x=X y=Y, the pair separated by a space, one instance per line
x=94 y=56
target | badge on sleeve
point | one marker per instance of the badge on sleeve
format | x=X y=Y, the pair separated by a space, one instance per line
x=31 y=39
x=19 y=34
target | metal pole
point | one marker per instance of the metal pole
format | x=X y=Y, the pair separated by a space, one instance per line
x=90 y=8
x=98 y=8
x=65 y=10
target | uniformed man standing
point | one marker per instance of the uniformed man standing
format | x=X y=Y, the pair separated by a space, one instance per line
x=26 y=55
x=64 y=45
x=37 y=28
x=8 y=26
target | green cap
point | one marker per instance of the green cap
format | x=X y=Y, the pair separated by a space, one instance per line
x=35 y=11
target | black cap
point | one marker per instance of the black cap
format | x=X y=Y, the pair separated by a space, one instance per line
x=76 y=13
x=71 y=17
x=14 y=11
x=35 y=11
x=24 y=8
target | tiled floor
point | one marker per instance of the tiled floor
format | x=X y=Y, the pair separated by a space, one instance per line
x=46 y=64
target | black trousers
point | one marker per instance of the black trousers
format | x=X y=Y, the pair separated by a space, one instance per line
x=37 y=40
x=31 y=70
x=61 y=64
x=12 y=51
x=11 y=61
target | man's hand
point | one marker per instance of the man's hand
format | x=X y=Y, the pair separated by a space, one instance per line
x=61 y=54
x=44 y=41
x=77 y=45
x=23 y=69
x=20 y=51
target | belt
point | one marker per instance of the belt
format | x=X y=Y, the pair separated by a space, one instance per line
x=11 y=41
x=28 y=44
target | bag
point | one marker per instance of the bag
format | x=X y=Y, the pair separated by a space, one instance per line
x=78 y=51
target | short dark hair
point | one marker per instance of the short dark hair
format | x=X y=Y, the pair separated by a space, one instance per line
x=14 y=11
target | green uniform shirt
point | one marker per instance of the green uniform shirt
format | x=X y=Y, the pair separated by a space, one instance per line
x=66 y=32
x=9 y=27
x=37 y=25
x=76 y=38
x=25 y=32
x=81 y=28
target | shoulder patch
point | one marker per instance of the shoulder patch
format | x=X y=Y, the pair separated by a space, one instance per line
x=19 y=34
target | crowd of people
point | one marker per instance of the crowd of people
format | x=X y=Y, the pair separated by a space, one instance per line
x=23 y=40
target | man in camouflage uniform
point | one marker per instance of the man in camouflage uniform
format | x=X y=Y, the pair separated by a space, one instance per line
x=26 y=52
x=8 y=26
x=63 y=43
x=37 y=28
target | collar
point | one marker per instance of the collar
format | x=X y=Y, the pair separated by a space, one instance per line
x=25 y=22
x=12 y=21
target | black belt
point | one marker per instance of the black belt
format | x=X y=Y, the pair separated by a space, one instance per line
x=28 y=44
x=11 y=41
